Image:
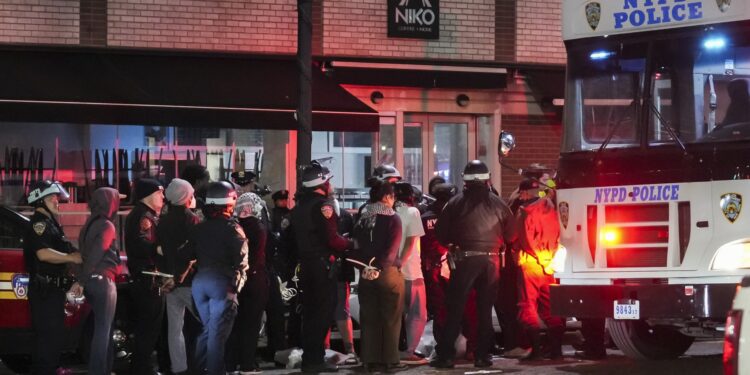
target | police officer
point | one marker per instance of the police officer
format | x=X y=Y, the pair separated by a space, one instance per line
x=280 y=213
x=47 y=254
x=220 y=249
x=433 y=254
x=536 y=245
x=475 y=225
x=143 y=252
x=314 y=224
x=280 y=266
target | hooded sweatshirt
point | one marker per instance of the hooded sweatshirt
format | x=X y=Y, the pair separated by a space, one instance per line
x=99 y=237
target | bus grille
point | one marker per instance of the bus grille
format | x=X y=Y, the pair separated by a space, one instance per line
x=643 y=235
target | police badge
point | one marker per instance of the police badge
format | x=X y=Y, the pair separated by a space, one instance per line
x=20 y=284
x=594 y=14
x=564 y=211
x=731 y=205
x=723 y=4
x=39 y=227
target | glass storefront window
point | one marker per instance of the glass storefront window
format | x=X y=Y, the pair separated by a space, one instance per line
x=485 y=142
x=349 y=157
x=84 y=157
x=450 y=150
x=387 y=146
x=413 y=154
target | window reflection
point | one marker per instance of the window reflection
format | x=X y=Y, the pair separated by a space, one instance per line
x=450 y=151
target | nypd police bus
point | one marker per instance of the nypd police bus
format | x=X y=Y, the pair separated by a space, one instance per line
x=654 y=173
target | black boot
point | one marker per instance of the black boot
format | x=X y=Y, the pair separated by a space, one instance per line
x=535 y=339
x=554 y=342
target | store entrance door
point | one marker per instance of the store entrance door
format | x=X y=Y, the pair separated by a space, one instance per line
x=437 y=145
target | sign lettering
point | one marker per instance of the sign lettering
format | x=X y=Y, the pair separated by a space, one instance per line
x=640 y=193
x=414 y=19
x=636 y=13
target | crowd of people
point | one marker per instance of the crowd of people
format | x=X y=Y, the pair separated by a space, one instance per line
x=208 y=259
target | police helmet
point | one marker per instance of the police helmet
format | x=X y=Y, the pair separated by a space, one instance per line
x=243 y=178
x=44 y=188
x=476 y=170
x=315 y=175
x=445 y=191
x=385 y=171
x=221 y=193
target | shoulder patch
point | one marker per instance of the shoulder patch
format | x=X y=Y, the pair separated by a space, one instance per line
x=327 y=211
x=145 y=224
x=39 y=227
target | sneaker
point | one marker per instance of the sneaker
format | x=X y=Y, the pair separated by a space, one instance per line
x=412 y=359
x=350 y=359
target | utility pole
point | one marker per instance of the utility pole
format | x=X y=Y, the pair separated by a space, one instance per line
x=304 y=65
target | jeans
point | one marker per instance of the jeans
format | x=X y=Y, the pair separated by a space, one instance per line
x=415 y=310
x=178 y=300
x=217 y=308
x=102 y=295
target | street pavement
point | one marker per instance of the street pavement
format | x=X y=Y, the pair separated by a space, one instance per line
x=703 y=358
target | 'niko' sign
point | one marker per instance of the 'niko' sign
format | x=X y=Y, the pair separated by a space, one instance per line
x=414 y=19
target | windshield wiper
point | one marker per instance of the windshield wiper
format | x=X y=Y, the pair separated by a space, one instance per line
x=612 y=132
x=666 y=125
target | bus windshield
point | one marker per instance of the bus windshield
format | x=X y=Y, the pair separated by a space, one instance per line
x=640 y=90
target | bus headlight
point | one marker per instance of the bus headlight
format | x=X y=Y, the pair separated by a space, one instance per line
x=732 y=256
x=558 y=261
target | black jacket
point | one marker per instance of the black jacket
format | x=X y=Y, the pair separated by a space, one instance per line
x=172 y=235
x=315 y=228
x=140 y=240
x=44 y=232
x=475 y=220
x=257 y=235
x=219 y=244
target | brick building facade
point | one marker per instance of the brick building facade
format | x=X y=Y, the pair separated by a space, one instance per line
x=520 y=37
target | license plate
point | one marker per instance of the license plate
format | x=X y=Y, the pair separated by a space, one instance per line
x=628 y=309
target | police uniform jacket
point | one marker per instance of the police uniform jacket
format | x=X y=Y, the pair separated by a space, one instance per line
x=44 y=232
x=432 y=249
x=280 y=219
x=476 y=220
x=172 y=234
x=315 y=227
x=219 y=244
x=140 y=239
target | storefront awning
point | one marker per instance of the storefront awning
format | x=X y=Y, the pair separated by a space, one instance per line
x=118 y=86
x=402 y=74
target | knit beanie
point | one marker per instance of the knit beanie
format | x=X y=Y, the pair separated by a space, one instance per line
x=145 y=187
x=179 y=192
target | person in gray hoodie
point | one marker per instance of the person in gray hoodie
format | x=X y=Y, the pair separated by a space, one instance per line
x=101 y=258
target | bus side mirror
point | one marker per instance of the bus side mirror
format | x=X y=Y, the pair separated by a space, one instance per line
x=506 y=142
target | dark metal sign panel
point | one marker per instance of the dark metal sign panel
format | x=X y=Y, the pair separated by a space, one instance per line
x=418 y=19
